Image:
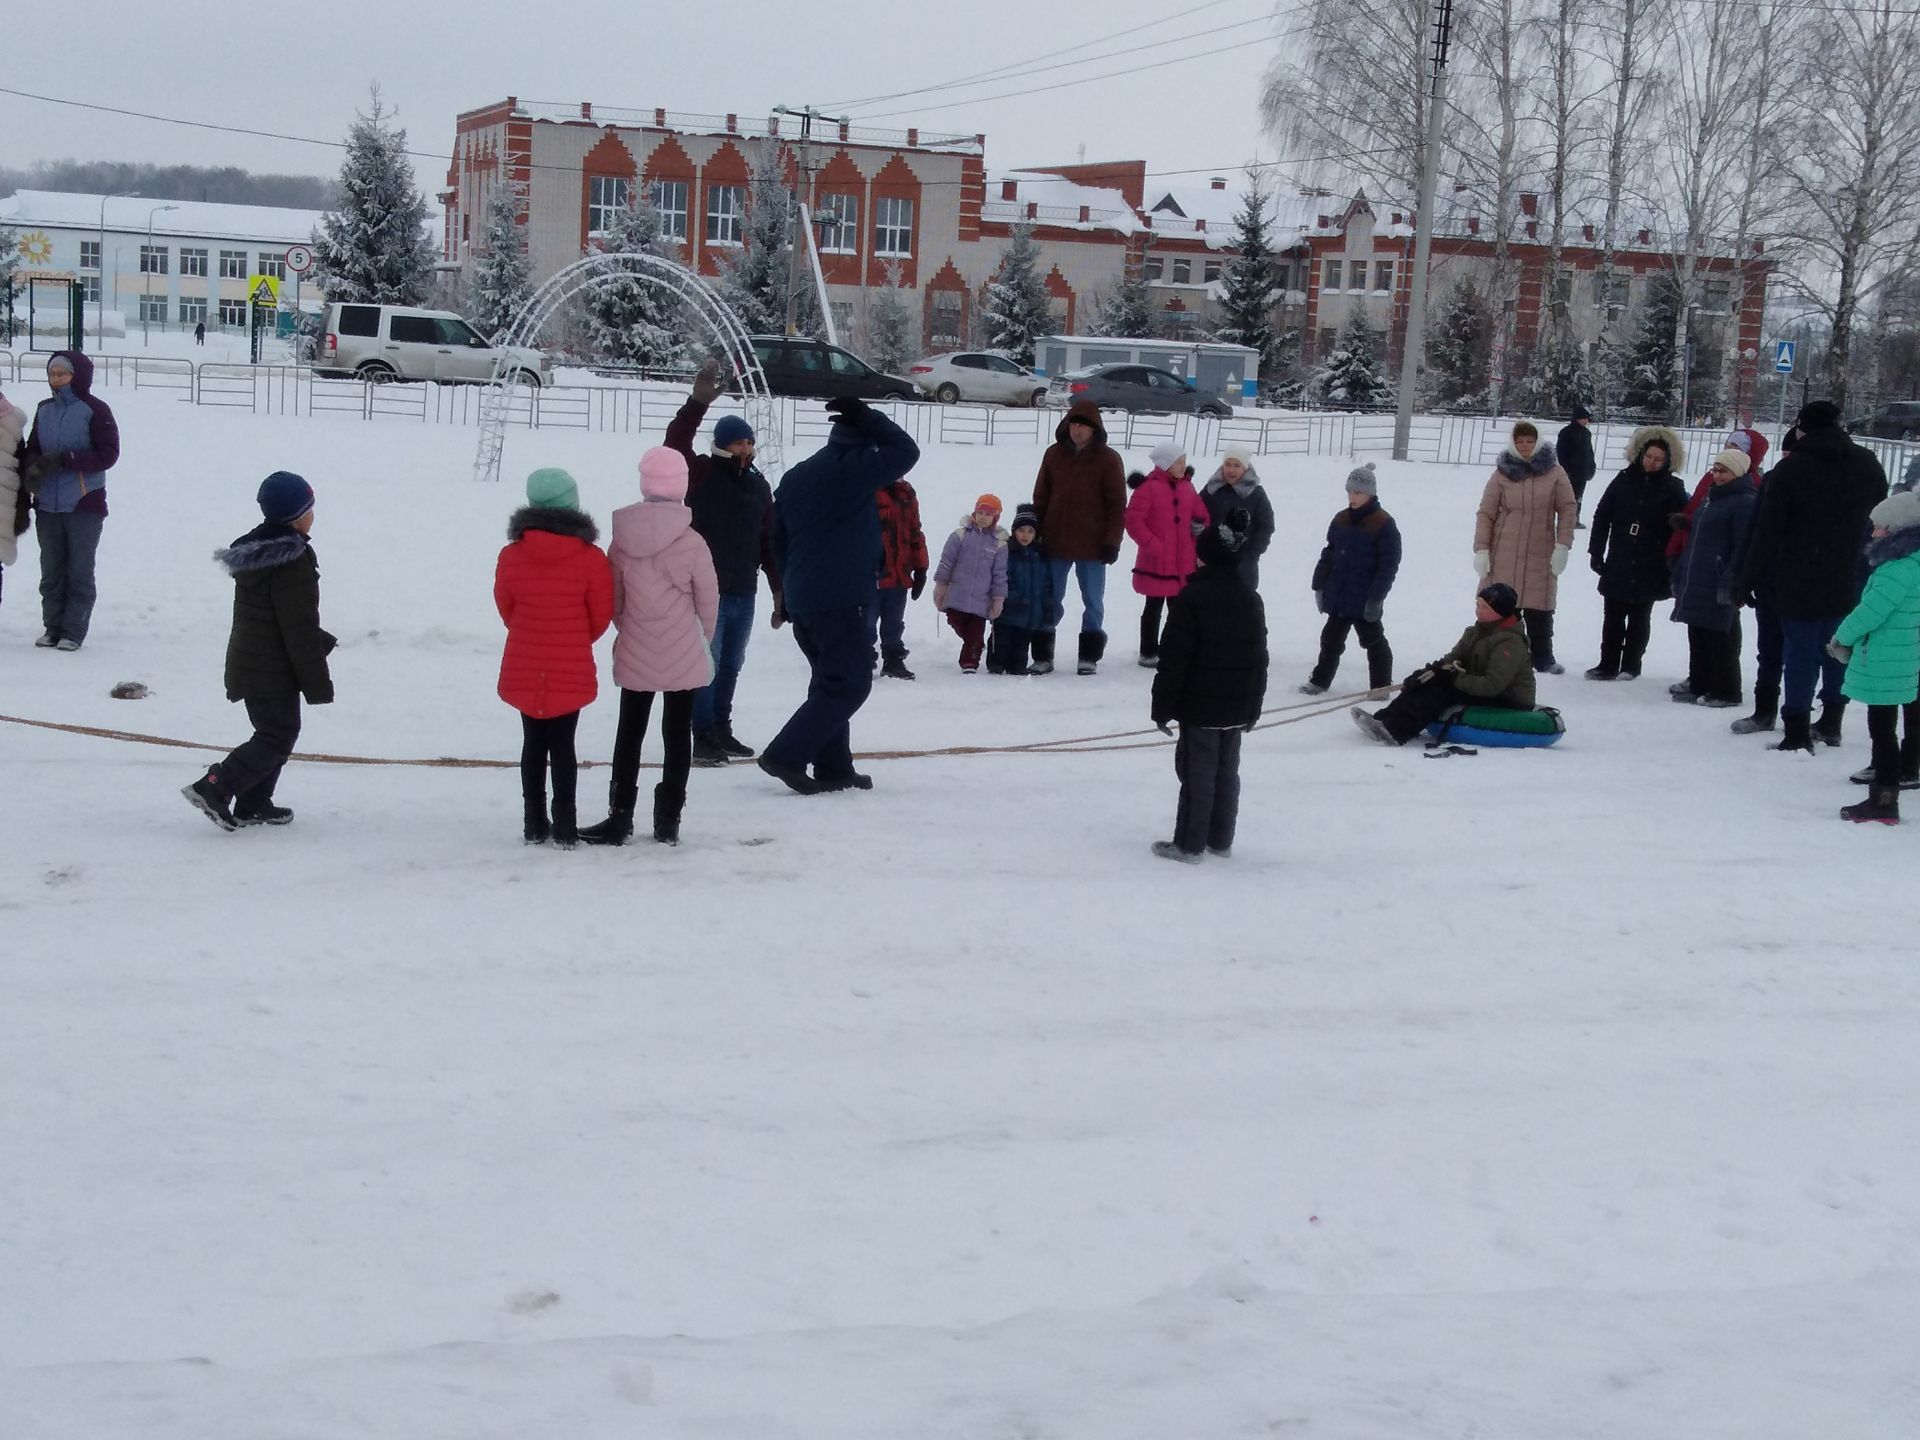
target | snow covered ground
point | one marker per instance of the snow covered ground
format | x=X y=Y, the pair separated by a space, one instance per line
x=1552 y=1094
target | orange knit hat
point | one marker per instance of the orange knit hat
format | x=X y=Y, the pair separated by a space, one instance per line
x=989 y=502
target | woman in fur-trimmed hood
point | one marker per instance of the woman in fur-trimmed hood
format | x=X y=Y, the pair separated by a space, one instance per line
x=1627 y=546
x=1524 y=530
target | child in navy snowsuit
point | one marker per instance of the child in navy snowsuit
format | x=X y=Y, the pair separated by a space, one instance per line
x=1356 y=570
x=1030 y=595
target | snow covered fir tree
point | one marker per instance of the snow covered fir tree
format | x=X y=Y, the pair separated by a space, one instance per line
x=754 y=279
x=372 y=246
x=1350 y=375
x=1127 y=310
x=890 y=341
x=635 y=320
x=503 y=277
x=1458 y=344
x=1016 y=309
x=1250 y=288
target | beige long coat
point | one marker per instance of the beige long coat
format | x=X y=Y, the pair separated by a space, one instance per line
x=1526 y=510
x=13 y=425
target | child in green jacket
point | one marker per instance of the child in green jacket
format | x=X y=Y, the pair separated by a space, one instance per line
x=1880 y=643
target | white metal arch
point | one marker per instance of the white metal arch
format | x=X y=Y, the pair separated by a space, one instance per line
x=591 y=273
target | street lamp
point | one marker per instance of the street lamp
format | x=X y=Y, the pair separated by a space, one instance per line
x=100 y=311
x=146 y=272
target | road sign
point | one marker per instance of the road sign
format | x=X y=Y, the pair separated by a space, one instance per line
x=299 y=259
x=264 y=290
x=1783 y=356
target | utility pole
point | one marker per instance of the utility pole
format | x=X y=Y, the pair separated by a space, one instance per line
x=1423 y=229
x=803 y=188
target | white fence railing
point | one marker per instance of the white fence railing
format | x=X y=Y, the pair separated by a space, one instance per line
x=296 y=390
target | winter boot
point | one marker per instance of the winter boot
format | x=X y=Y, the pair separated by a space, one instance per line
x=1683 y=692
x=1799 y=733
x=262 y=812
x=1313 y=687
x=1766 y=710
x=667 y=806
x=535 y=830
x=1827 y=728
x=1042 y=653
x=794 y=778
x=210 y=796
x=730 y=743
x=1882 y=806
x=895 y=668
x=1373 y=727
x=1167 y=850
x=1093 y=645
x=566 y=832
x=708 y=751
x=617 y=828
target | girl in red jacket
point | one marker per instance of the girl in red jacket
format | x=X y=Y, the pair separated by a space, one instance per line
x=555 y=591
x=1161 y=518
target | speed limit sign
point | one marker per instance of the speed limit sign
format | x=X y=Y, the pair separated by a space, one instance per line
x=299 y=259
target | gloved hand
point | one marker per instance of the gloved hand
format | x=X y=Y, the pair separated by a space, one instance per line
x=41 y=466
x=1482 y=563
x=1723 y=596
x=995 y=606
x=707 y=384
x=1448 y=667
x=1199 y=528
x=1109 y=554
x=848 y=409
x=1372 y=611
x=1557 y=562
x=940 y=595
x=1599 y=565
x=779 y=611
x=1842 y=653
x=919 y=583
x=1165 y=727
x=1680 y=521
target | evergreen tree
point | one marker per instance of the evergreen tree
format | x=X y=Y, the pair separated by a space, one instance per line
x=1458 y=347
x=890 y=339
x=503 y=276
x=1252 y=282
x=635 y=320
x=372 y=247
x=754 y=281
x=1126 y=312
x=1350 y=377
x=1016 y=309
x=1650 y=384
x=1559 y=378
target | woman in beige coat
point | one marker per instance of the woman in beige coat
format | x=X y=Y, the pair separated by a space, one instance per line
x=1523 y=532
x=13 y=425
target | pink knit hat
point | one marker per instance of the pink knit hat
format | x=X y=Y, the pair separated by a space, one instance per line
x=663 y=474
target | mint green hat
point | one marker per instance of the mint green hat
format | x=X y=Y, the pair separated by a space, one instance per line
x=553 y=489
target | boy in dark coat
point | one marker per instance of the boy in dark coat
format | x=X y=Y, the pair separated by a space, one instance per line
x=903 y=575
x=1492 y=664
x=1350 y=584
x=1628 y=548
x=1030 y=597
x=276 y=654
x=1211 y=681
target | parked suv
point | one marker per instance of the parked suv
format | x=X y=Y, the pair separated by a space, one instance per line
x=814 y=370
x=399 y=342
x=1136 y=387
x=978 y=375
x=1898 y=420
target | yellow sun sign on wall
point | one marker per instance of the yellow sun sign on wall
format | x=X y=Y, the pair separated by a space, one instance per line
x=36 y=248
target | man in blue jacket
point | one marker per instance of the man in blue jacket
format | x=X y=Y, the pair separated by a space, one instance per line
x=826 y=545
x=75 y=441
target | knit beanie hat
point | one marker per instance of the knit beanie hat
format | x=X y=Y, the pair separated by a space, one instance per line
x=1025 y=515
x=989 y=502
x=1734 y=460
x=284 y=497
x=1899 y=511
x=663 y=474
x=1818 y=415
x=730 y=430
x=1501 y=598
x=1742 y=441
x=1165 y=454
x=1579 y=412
x=1361 y=481
x=1238 y=451
x=552 y=489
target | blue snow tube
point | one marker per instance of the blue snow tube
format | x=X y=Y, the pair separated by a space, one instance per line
x=1500 y=728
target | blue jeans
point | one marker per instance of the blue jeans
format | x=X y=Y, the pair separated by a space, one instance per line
x=1093 y=595
x=733 y=627
x=819 y=732
x=1806 y=659
x=887 y=623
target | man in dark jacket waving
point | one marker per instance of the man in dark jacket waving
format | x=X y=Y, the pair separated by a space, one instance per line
x=826 y=543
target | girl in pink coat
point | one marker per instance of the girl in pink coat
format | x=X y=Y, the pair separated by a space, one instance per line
x=665 y=604
x=1163 y=517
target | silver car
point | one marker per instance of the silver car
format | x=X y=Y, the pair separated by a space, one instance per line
x=977 y=375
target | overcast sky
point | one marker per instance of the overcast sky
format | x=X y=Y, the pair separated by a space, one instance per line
x=302 y=69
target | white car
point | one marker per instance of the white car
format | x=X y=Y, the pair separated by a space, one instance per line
x=400 y=342
x=977 y=375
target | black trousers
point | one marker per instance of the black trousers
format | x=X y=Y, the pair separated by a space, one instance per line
x=1419 y=704
x=1208 y=764
x=1151 y=615
x=1891 y=758
x=1539 y=625
x=676 y=733
x=820 y=732
x=1624 y=631
x=548 y=745
x=1333 y=644
x=1008 y=650
x=252 y=769
x=1713 y=661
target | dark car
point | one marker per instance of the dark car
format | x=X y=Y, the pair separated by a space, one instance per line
x=1136 y=387
x=1897 y=420
x=810 y=369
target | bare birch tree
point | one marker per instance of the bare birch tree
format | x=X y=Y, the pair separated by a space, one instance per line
x=1624 y=25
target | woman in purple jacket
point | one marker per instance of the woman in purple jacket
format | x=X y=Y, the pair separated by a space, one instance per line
x=74 y=443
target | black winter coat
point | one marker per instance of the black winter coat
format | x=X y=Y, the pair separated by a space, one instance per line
x=1222 y=499
x=1627 y=542
x=1703 y=581
x=1575 y=448
x=1358 y=563
x=1213 y=654
x=277 y=649
x=732 y=507
x=1812 y=527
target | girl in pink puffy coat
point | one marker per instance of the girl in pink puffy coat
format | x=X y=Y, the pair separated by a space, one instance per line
x=1162 y=518
x=665 y=604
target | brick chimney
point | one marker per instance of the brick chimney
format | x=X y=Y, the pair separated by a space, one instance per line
x=1009 y=189
x=1218 y=182
x=913 y=138
x=1586 y=233
x=1529 y=203
x=733 y=124
x=1644 y=237
x=1473 y=225
x=586 y=109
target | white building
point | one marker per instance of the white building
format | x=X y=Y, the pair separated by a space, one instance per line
x=165 y=262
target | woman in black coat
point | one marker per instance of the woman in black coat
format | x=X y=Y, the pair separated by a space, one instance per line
x=1628 y=547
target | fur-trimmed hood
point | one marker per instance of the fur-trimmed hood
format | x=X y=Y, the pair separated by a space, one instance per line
x=555 y=519
x=1511 y=465
x=1895 y=546
x=1243 y=487
x=262 y=548
x=1646 y=435
x=1000 y=534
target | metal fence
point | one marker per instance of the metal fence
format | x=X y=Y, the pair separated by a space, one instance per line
x=296 y=390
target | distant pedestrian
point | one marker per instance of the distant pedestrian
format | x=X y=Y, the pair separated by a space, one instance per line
x=1523 y=532
x=1080 y=496
x=200 y=332
x=1355 y=572
x=1627 y=548
x=75 y=441
x=1575 y=448
x=1162 y=519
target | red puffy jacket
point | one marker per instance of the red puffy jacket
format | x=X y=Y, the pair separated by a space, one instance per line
x=555 y=591
x=903 y=545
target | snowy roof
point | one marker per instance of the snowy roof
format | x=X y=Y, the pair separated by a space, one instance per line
x=1057 y=201
x=62 y=210
x=1293 y=216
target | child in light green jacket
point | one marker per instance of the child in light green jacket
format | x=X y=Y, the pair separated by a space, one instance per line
x=1880 y=642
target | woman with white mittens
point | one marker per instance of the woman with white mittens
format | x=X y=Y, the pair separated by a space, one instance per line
x=1523 y=531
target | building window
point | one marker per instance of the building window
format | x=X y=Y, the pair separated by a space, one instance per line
x=669 y=197
x=1356 y=274
x=272 y=264
x=193 y=262
x=1383 y=277
x=233 y=312
x=91 y=287
x=1620 y=295
x=726 y=209
x=606 y=198
x=153 y=259
x=1153 y=267
x=893 y=226
x=1183 y=272
x=233 y=264
x=839 y=220
x=1333 y=276
x=193 y=312
x=1716 y=294
x=153 y=309
x=947 y=307
x=89 y=254
x=1212 y=271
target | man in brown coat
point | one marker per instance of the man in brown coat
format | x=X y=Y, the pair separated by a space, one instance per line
x=1081 y=498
